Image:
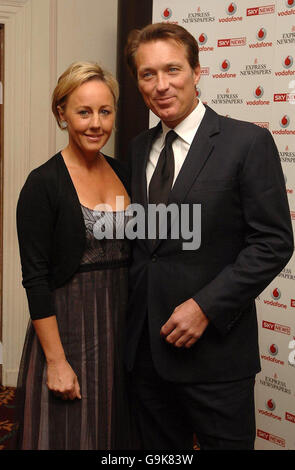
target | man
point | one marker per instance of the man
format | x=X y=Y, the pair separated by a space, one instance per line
x=192 y=344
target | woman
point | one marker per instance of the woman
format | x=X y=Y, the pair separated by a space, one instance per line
x=71 y=375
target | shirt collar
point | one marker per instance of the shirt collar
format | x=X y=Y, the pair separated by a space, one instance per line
x=186 y=129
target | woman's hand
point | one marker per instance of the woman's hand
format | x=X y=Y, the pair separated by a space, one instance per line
x=62 y=380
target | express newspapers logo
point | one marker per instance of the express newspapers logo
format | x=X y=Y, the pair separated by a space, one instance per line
x=287 y=37
x=287 y=156
x=274 y=383
x=199 y=16
x=227 y=98
x=256 y=68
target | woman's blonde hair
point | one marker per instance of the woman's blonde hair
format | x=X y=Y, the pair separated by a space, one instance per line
x=74 y=76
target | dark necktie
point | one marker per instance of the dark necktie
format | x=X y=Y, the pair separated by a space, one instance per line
x=162 y=179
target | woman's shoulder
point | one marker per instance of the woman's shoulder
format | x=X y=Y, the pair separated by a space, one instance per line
x=42 y=182
x=47 y=170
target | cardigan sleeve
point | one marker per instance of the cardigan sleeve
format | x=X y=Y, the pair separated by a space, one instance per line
x=35 y=228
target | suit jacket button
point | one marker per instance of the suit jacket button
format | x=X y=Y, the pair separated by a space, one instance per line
x=154 y=258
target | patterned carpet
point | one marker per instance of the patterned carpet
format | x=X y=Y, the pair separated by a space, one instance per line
x=7 y=418
x=7 y=408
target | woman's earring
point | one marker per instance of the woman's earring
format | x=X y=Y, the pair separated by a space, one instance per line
x=64 y=124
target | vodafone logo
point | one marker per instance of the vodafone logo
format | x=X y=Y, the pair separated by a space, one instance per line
x=261 y=34
x=202 y=39
x=290 y=3
x=288 y=61
x=231 y=9
x=270 y=404
x=270 y=407
x=273 y=349
x=258 y=92
x=285 y=121
x=276 y=294
x=167 y=13
x=225 y=65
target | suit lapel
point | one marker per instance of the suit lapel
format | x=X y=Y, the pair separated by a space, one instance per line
x=197 y=156
x=195 y=160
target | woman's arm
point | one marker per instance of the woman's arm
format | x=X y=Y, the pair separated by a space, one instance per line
x=35 y=226
x=61 y=378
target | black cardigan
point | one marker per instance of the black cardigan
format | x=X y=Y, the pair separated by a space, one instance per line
x=51 y=231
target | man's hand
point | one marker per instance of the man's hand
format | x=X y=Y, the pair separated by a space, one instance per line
x=186 y=325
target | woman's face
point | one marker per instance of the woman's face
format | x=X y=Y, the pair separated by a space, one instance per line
x=90 y=116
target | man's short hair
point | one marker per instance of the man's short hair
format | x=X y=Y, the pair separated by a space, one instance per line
x=161 y=31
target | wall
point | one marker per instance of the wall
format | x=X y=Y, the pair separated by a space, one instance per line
x=41 y=39
x=248 y=72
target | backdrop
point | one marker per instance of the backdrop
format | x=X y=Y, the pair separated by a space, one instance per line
x=247 y=55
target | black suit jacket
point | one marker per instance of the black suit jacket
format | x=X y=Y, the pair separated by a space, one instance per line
x=233 y=170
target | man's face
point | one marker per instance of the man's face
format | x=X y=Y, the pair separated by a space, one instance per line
x=166 y=80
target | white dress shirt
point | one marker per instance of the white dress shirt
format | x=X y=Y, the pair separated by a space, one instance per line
x=185 y=131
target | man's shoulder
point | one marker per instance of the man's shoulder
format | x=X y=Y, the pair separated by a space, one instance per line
x=232 y=124
x=144 y=137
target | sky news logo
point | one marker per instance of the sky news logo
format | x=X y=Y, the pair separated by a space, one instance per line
x=231 y=42
x=264 y=10
x=276 y=327
x=284 y=98
x=271 y=438
x=290 y=417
